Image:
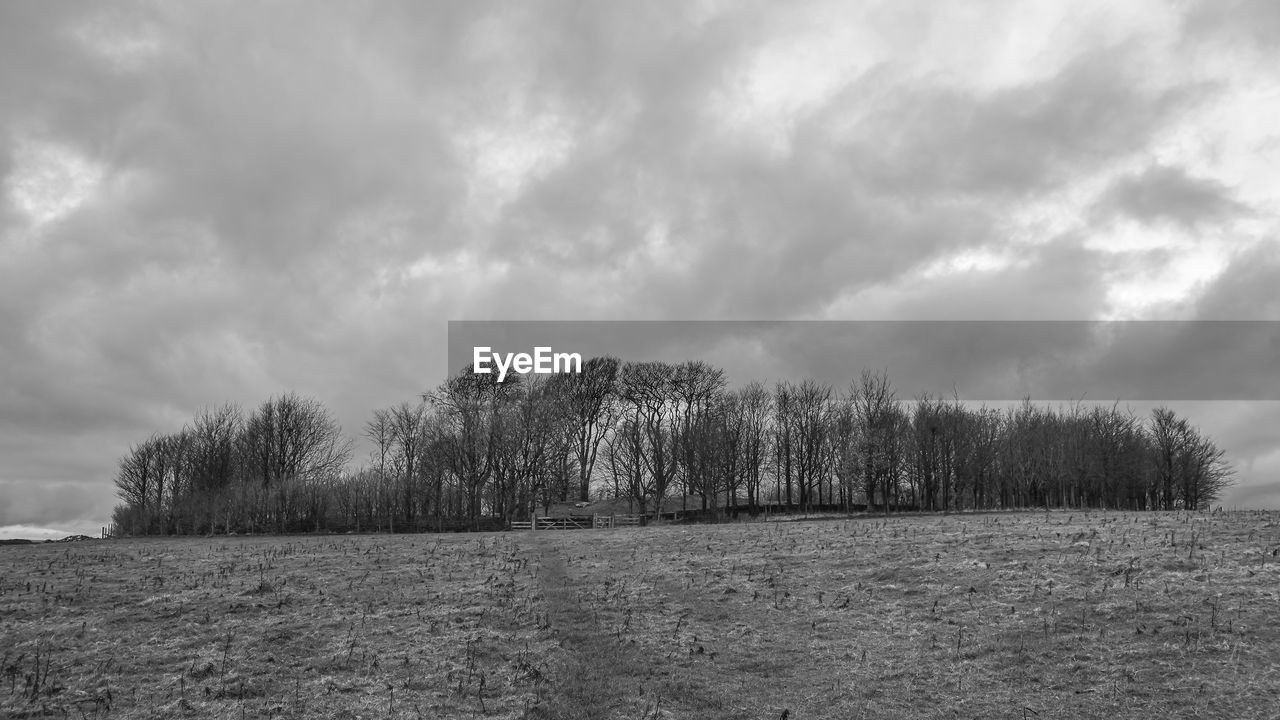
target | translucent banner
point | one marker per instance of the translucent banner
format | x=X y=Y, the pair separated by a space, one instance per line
x=1160 y=361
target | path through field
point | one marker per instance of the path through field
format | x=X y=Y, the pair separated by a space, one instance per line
x=600 y=677
x=1049 y=615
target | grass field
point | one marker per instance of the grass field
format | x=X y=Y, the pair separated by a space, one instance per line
x=1034 y=615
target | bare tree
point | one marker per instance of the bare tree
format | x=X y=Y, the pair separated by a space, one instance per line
x=755 y=406
x=291 y=441
x=468 y=404
x=532 y=448
x=876 y=409
x=783 y=427
x=135 y=481
x=408 y=442
x=646 y=392
x=211 y=465
x=380 y=431
x=694 y=387
x=590 y=400
x=624 y=451
x=1190 y=470
x=729 y=430
x=930 y=442
x=811 y=422
x=475 y=447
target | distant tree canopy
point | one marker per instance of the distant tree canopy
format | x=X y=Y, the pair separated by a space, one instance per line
x=269 y=471
x=475 y=453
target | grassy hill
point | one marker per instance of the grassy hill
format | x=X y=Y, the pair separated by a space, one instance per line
x=1038 y=615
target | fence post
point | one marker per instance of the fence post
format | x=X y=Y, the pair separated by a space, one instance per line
x=533 y=520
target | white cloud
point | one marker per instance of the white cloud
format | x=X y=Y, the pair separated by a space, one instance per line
x=790 y=77
x=1145 y=286
x=972 y=260
x=51 y=180
x=508 y=152
x=127 y=44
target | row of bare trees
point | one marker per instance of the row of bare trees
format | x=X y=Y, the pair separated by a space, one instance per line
x=227 y=472
x=477 y=453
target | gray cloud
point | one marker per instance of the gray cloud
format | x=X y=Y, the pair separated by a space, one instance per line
x=1256 y=21
x=51 y=502
x=292 y=197
x=1161 y=193
x=1014 y=141
x=1246 y=289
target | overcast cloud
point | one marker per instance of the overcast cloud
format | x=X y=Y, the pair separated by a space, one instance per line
x=208 y=201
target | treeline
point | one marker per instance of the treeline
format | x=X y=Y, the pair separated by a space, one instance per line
x=475 y=453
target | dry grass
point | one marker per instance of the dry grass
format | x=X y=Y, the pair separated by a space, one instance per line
x=1030 y=615
x=367 y=626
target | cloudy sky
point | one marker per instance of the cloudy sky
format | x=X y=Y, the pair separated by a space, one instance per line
x=218 y=201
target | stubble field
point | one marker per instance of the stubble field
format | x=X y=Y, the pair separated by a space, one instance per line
x=1031 y=615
